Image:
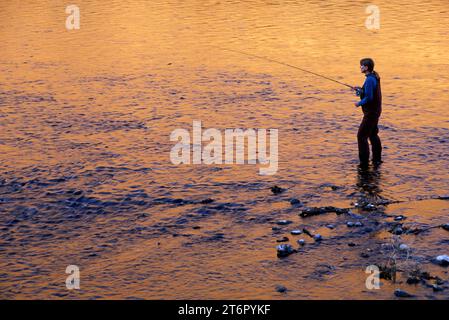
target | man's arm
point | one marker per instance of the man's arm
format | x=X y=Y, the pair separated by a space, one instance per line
x=369 y=91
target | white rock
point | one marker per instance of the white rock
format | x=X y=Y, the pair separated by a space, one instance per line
x=442 y=260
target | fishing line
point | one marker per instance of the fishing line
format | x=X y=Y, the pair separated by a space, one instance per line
x=287 y=65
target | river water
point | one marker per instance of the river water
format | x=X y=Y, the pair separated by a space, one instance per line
x=85 y=171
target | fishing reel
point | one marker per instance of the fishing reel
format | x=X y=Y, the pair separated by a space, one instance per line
x=358 y=91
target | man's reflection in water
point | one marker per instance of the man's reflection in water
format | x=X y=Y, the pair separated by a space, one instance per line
x=368 y=180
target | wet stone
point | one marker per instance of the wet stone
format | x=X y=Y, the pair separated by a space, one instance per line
x=445 y=226
x=321 y=210
x=283 y=239
x=330 y=226
x=296 y=232
x=399 y=218
x=284 y=250
x=397 y=230
x=284 y=222
x=301 y=242
x=402 y=294
x=317 y=237
x=281 y=289
x=295 y=202
x=369 y=206
x=277 y=190
x=442 y=260
x=404 y=247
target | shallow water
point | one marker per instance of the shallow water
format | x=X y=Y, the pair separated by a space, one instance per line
x=85 y=173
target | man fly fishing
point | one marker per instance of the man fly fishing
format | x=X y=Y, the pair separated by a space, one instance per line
x=371 y=103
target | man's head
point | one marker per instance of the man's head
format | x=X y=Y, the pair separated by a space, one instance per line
x=366 y=65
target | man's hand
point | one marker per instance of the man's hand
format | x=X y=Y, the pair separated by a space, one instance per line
x=356 y=104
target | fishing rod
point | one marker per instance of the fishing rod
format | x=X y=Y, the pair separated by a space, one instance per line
x=291 y=66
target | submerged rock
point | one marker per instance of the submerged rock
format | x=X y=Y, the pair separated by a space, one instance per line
x=404 y=247
x=296 y=232
x=330 y=226
x=397 y=230
x=369 y=206
x=281 y=289
x=442 y=260
x=295 y=202
x=317 y=237
x=277 y=190
x=445 y=226
x=301 y=242
x=321 y=210
x=284 y=239
x=402 y=294
x=284 y=222
x=351 y=224
x=284 y=250
x=399 y=218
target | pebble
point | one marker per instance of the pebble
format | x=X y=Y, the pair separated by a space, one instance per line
x=369 y=206
x=296 y=232
x=399 y=218
x=351 y=244
x=404 y=247
x=442 y=260
x=317 y=237
x=301 y=242
x=402 y=294
x=277 y=190
x=295 y=202
x=281 y=289
x=284 y=222
x=397 y=230
x=330 y=226
x=445 y=226
x=284 y=250
x=351 y=224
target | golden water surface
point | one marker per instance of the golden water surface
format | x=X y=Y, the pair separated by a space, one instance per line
x=86 y=115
